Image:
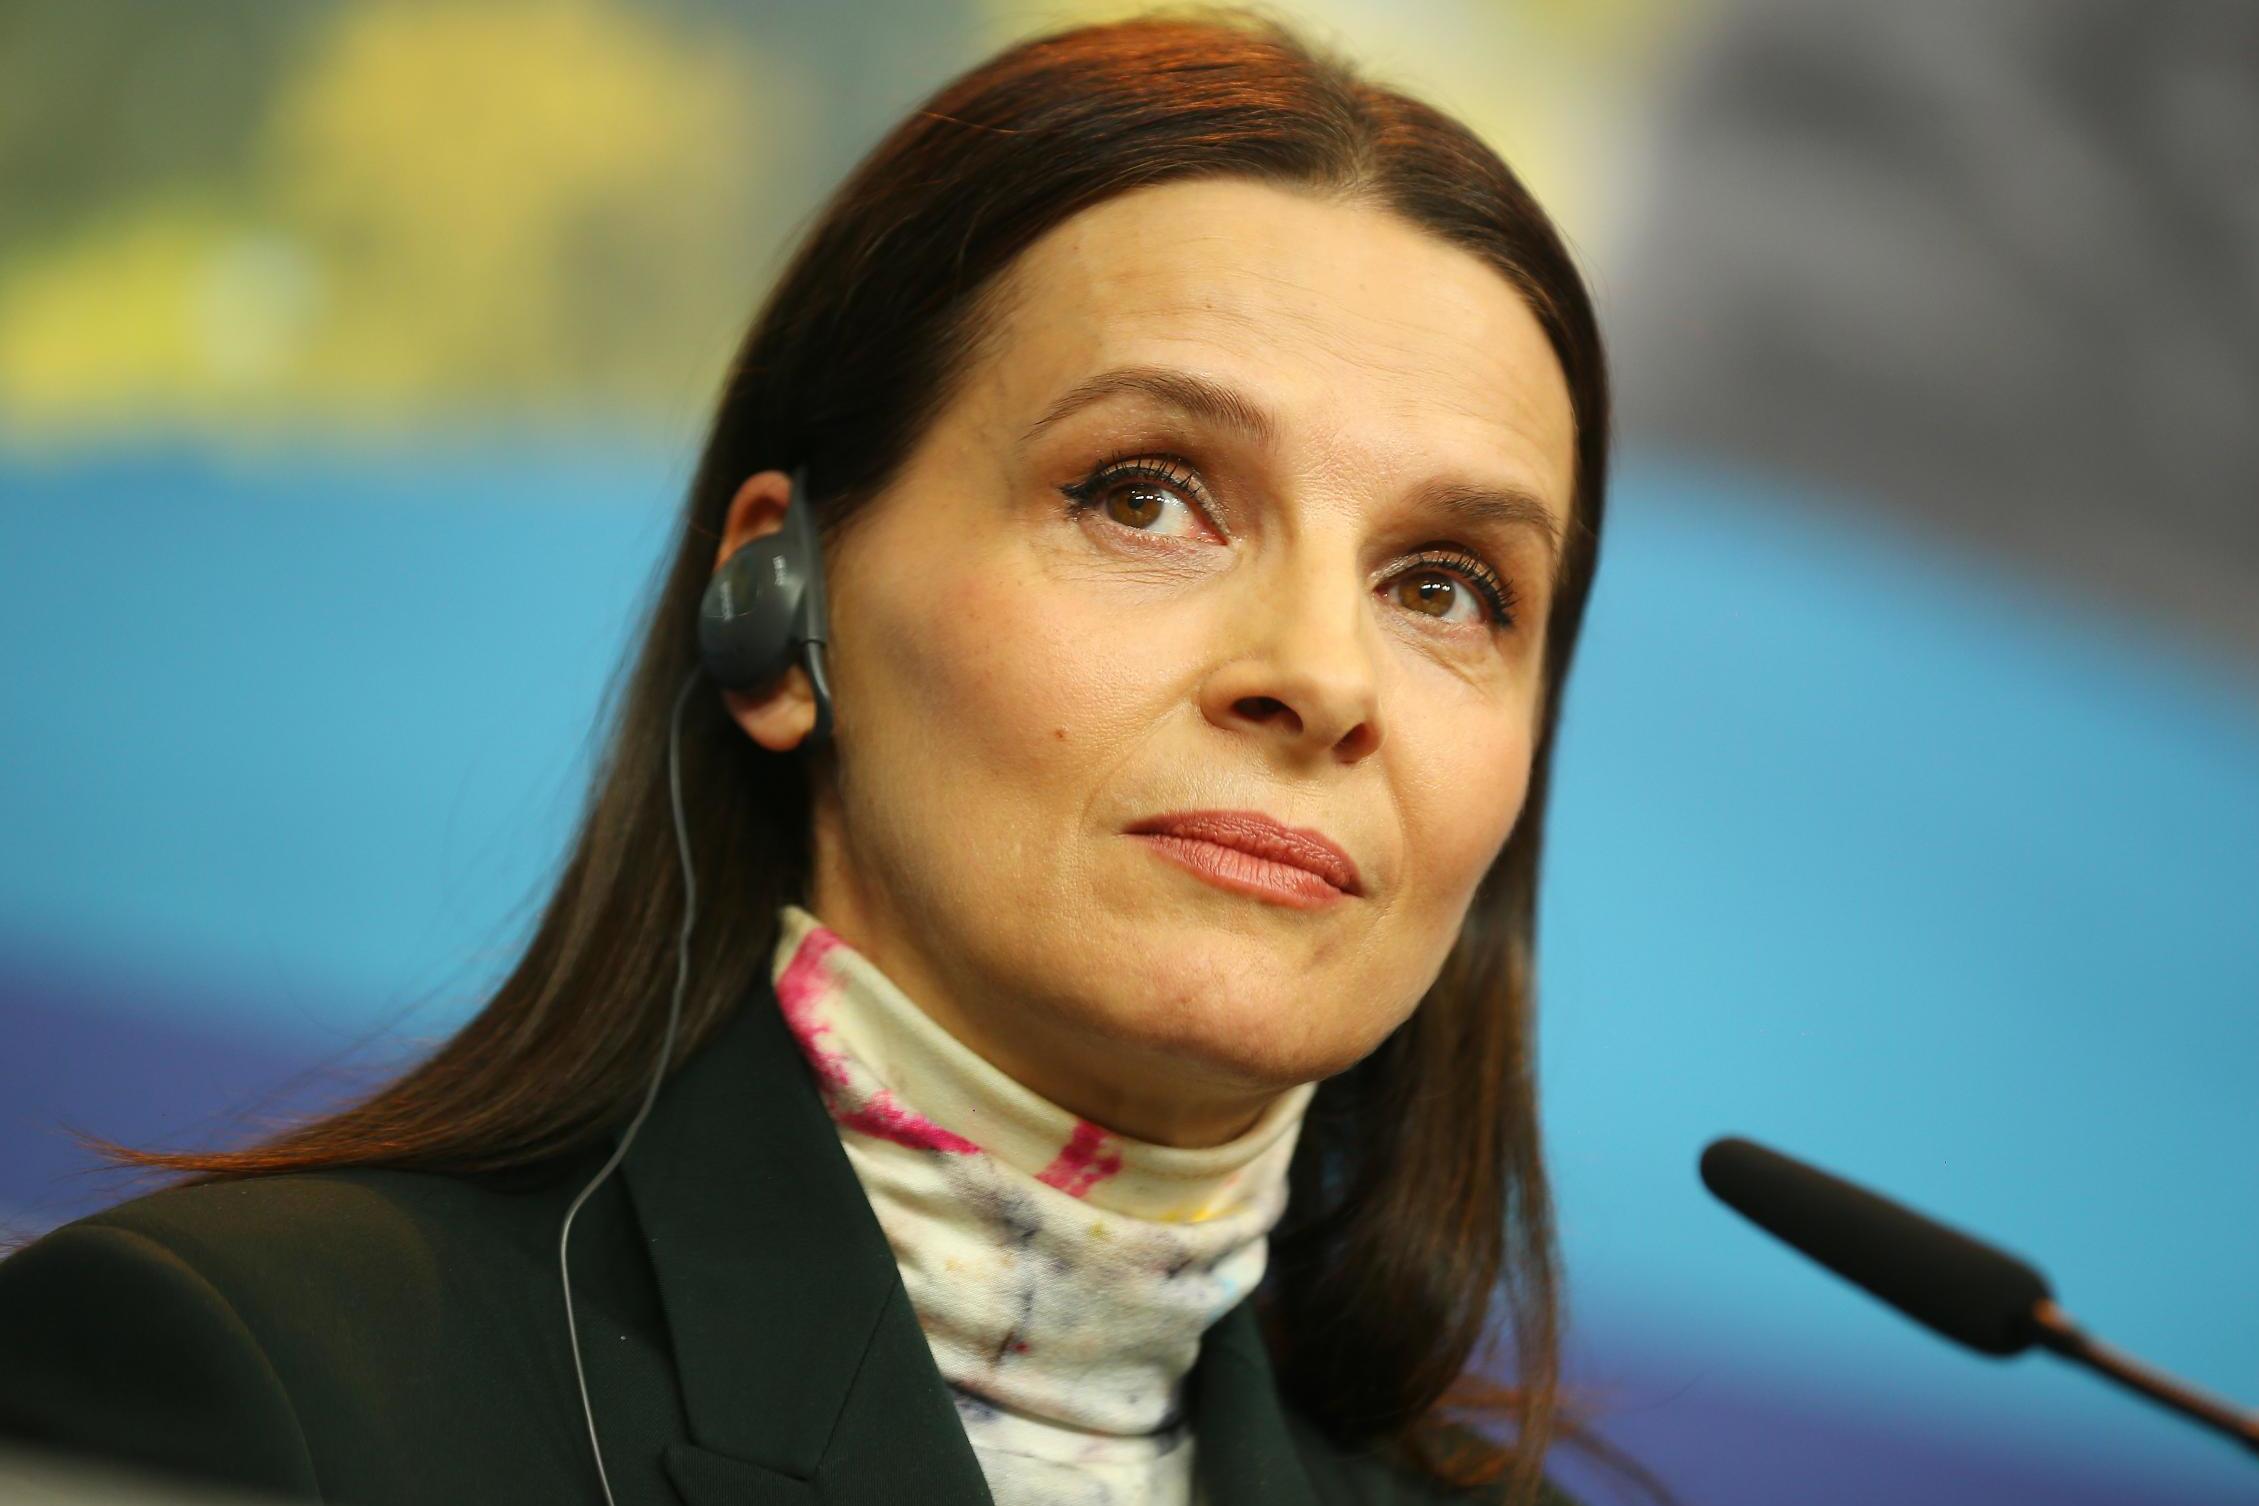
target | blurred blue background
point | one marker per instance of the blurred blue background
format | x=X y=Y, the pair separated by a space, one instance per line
x=1907 y=814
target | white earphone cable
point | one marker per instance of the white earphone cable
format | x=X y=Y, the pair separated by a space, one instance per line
x=658 y=1075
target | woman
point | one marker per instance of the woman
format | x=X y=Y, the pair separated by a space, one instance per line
x=1187 y=427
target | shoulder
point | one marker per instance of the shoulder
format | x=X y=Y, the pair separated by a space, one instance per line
x=347 y=1224
x=1376 y=1476
x=294 y=1239
x=191 y=1329
x=290 y=1253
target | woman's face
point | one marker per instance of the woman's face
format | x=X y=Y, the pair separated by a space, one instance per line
x=1268 y=604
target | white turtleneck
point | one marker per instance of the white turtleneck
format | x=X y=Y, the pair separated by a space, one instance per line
x=1063 y=1275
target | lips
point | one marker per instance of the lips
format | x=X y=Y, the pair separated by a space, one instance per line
x=1254 y=833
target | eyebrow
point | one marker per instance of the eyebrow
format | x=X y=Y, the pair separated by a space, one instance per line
x=1227 y=408
x=1186 y=391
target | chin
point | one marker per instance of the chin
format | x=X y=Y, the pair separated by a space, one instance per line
x=1230 y=986
x=1262 y=1031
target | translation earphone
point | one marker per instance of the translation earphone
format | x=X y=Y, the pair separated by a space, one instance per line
x=763 y=611
x=765 y=607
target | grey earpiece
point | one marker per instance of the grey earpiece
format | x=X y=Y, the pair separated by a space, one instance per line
x=764 y=610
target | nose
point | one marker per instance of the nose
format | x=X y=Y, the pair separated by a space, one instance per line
x=1303 y=667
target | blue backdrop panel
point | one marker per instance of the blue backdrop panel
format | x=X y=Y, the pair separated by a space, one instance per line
x=1921 y=872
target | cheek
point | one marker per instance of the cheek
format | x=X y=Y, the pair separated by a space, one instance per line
x=1010 y=676
x=1463 y=807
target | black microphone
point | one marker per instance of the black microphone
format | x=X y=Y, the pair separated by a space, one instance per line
x=1967 y=1290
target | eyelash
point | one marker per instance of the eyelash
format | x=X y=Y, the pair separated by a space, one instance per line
x=1085 y=495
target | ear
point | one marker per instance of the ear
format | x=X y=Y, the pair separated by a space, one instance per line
x=778 y=716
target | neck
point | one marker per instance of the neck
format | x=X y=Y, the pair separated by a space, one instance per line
x=1063 y=1273
x=1133 y=1088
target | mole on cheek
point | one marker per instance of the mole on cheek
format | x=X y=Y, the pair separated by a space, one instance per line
x=1060 y=733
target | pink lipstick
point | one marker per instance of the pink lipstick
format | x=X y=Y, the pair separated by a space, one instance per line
x=1251 y=853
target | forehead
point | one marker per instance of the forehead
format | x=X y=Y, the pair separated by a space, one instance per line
x=1349 y=324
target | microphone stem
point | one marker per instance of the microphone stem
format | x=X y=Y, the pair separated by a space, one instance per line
x=2055 y=1330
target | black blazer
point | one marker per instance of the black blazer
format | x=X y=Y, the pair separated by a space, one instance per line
x=374 y=1336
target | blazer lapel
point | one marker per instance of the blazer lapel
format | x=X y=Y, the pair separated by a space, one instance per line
x=1244 y=1449
x=804 y=1374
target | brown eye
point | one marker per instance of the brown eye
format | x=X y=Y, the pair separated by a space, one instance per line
x=1426 y=585
x=1135 y=506
x=1434 y=594
x=1136 y=496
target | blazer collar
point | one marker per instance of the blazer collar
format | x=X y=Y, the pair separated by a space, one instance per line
x=804 y=1373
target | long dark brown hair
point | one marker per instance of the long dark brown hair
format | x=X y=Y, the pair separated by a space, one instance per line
x=1418 y=1195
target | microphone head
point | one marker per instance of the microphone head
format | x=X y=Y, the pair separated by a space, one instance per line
x=1962 y=1288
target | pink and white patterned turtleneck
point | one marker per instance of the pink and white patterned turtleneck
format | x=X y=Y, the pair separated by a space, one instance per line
x=1063 y=1275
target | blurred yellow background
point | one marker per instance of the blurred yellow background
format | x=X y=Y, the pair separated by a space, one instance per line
x=230 y=218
